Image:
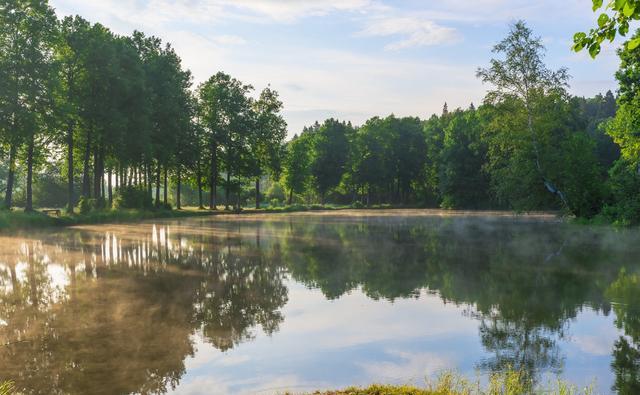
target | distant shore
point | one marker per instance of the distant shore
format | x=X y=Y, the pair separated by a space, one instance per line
x=18 y=219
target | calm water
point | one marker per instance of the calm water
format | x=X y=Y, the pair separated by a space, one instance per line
x=266 y=304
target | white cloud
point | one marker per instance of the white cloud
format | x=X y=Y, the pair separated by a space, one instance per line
x=291 y=10
x=413 y=32
x=416 y=366
x=227 y=39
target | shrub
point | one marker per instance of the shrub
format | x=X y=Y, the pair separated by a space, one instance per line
x=357 y=205
x=275 y=203
x=276 y=192
x=87 y=205
x=624 y=183
x=132 y=198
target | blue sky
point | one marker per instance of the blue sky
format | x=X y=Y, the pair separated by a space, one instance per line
x=353 y=59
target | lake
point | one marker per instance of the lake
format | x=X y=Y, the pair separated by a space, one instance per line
x=268 y=303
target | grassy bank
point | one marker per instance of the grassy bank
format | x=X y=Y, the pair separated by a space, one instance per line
x=505 y=383
x=18 y=219
x=10 y=220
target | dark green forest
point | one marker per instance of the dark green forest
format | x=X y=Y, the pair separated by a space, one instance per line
x=90 y=120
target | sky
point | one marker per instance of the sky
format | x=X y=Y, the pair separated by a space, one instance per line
x=354 y=59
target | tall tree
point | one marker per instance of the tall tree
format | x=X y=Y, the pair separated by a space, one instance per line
x=269 y=134
x=296 y=166
x=523 y=76
x=226 y=112
x=27 y=31
x=330 y=154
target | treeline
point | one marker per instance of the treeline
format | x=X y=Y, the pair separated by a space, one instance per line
x=115 y=121
x=467 y=158
x=118 y=113
x=529 y=146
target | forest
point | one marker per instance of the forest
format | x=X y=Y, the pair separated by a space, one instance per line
x=91 y=120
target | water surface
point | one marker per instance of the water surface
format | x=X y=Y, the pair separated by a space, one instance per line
x=264 y=304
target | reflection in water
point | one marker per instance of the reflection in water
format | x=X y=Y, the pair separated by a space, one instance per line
x=116 y=309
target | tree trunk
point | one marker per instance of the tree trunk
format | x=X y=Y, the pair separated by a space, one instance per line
x=149 y=178
x=258 y=193
x=199 y=180
x=214 y=177
x=8 y=197
x=227 y=190
x=86 y=188
x=70 y=200
x=96 y=173
x=109 y=175
x=166 y=187
x=179 y=189
x=158 y=186
x=290 y=197
x=29 y=205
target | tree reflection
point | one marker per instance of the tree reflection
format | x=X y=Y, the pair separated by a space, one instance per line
x=116 y=312
x=524 y=282
x=625 y=293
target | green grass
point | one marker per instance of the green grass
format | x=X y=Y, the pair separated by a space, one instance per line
x=6 y=388
x=10 y=220
x=506 y=383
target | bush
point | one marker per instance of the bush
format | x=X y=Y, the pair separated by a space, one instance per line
x=87 y=205
x=275 y=203
x=276 y=193
x=624 y=183
x=357 y=205
x=132 y=198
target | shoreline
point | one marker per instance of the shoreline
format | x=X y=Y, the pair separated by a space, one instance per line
x=20 y=220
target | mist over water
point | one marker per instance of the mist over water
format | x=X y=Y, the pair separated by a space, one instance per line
x=300 y=302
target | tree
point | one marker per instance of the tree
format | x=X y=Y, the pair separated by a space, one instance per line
x=463 y=183
x=69 y=53
x=27 y=31
x=369 y=167
x=269 y=134
x=523 y=76
x=226 y=113
x=615 y=20
x=330 y=152
x=296 y=166
x=623 y=128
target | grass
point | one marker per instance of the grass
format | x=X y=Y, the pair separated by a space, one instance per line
x=10 y=220
x=6 y=388
x=506 y=383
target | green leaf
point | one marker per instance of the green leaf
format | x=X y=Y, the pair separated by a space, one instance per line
x=597 y=4
x=633 y=44
x=628 y=9
x=623 y=29
x=579 y=37
x=594 y=50
x=619 y=4
x=603 y=19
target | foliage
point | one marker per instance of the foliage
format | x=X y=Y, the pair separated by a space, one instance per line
x=7 y=388
x=297 y=170
x=276 y=192
x=132 y=198
x=623 y=128
x=509 y=382
x=613 y=21
x=87 y=205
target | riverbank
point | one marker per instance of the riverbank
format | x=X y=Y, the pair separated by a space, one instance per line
x=504 y=383
x=18 y=219
x=10 y=220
